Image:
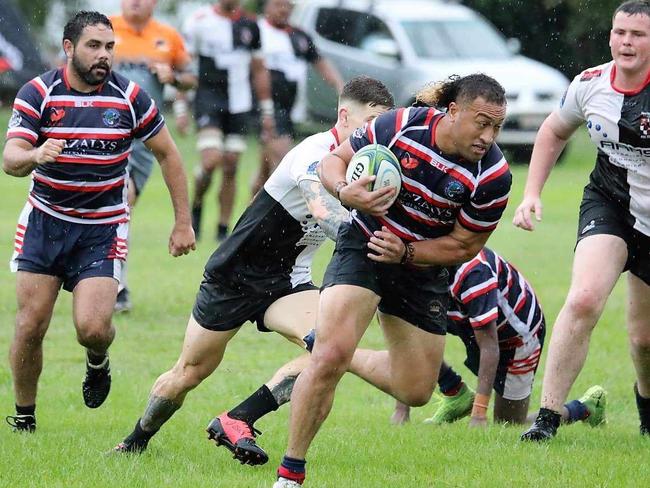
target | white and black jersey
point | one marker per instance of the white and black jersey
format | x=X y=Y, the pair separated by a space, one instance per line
x=273 y=243
x=619 y=125
x=287 y=53
x=223 y=47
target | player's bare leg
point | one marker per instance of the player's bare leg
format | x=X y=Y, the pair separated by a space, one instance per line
x=201 y=354
x=510 y=411
x=36 y=294
x=93 y=304
x=227 y=192
x=639 y=336
x=572 y=329
x=210 y=145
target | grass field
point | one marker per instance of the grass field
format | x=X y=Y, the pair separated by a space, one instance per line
x=356 y=447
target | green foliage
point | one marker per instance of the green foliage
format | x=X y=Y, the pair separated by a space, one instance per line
x=568 y=34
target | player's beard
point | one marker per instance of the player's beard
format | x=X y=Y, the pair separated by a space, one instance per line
x=87 y=74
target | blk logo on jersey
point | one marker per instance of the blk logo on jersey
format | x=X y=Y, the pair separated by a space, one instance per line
x=644 y=125
x=110 y=117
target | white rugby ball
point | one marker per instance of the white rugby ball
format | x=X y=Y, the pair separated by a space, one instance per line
x=378 y=160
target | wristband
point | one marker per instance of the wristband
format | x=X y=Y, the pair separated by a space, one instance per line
x=409 y=253
x=179 y=107
x=338 y=187
x=481 y=404
x=266 y=107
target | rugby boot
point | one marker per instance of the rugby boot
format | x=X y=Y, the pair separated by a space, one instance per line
x=595 y=399
x=22 y=423
x=97 y=383
x=238 y=437
x=286 y=483
x=544 y=428
x=452 y=408
x=643 y=406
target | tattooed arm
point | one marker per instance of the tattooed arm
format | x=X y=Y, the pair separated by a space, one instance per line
x=327 y=210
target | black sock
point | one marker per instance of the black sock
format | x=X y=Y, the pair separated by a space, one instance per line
x=255 y=406
x=139 y=436
x=449 y=381
x=28 y=410
x=643 y=406
x=95 y=359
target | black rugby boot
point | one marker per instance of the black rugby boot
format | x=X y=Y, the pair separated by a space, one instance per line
x=544 y=428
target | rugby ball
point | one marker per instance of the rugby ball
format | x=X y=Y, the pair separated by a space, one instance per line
x=378 y=160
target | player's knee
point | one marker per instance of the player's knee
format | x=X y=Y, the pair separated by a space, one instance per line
x=640 y=343
x=30 y=328
x=92 y=332
x=189 y=376
x=583 y=303
x=416 y=397
x=331 y=361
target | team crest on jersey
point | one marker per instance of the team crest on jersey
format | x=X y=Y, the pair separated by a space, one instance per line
x=56 y=115
x=590 y=75
x=409 y=162
x=110 y=117
x=644 y=125
x=454 y=190
x=15 y=119
x=359 y=132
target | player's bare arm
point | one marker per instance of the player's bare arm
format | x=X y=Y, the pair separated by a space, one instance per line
x=551 y=139
x=182 y=239
x=20 y=157
x=327 y=210
x=457 y=247
x=331 y=171
x=262 y=85
x=488 y=344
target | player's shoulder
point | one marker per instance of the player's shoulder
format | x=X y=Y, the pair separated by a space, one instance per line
x=119 y=80
x=164 y=29
x=298 y=32
x=595 y=73
x=321 y=141
x=44 y=82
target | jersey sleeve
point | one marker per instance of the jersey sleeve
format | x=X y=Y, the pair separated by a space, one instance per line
x=149 y=120
x=303 y=165
x=256 y=42
x=379 y=130
x=570 y=109
x=476 y=292
x=25 y=121
x=490 y=197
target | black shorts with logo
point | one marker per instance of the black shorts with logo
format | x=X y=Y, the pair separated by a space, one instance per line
x=600 y=215
x=224 y=303
x=211 y=111
x=419 y=296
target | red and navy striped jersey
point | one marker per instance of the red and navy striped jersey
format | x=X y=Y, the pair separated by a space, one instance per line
x=488 y=288
x=88 y=181
x=437 y=190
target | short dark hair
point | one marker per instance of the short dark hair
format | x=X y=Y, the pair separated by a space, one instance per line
x=82 y=19
x=366 y=90
x=633 y=7
x=461 y=89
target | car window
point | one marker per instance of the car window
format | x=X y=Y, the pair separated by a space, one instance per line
x=472 y=38
x=339 y=25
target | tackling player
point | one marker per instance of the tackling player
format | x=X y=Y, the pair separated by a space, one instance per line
x=614 y=224
x=495 y=312
x=71 y=130
x=262 y=273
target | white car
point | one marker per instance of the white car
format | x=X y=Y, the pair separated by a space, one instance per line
x=407 y=44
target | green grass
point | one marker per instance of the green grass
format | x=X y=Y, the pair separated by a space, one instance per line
x=357 y=446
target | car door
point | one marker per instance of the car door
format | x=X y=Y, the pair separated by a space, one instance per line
x=357 y=43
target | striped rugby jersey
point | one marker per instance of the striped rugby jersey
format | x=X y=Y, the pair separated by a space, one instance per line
x=437 y=190
x=488 y=288
x=88 y=182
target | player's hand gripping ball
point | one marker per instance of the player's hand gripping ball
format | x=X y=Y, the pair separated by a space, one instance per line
x=377 y=160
